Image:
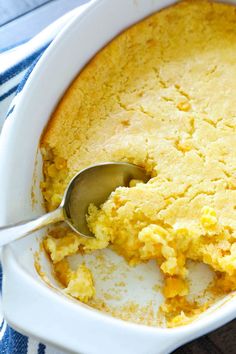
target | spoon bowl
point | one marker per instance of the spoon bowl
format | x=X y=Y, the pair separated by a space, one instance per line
x=94 y=185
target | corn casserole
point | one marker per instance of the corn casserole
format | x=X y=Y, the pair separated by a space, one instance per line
x=161 y=95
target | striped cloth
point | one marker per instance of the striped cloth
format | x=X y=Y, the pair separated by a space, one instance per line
x=16 y=64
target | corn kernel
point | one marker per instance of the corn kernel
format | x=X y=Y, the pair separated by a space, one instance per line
x=175 y=286
x=208 y=218
x=184 y=106
x=60 y=163
x=52 y=171
x=134 y=182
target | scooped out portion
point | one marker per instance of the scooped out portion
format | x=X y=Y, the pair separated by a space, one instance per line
x=160 y=95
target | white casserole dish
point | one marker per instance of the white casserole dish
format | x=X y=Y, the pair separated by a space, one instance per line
x=30 y=306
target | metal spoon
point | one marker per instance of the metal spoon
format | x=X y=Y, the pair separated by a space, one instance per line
x=91 y=185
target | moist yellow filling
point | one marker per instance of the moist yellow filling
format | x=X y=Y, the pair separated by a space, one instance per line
x=160 y=95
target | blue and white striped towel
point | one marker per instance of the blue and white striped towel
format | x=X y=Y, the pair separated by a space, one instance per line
x=16 y=65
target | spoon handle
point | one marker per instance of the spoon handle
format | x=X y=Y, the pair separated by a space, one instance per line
x=14 y=232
